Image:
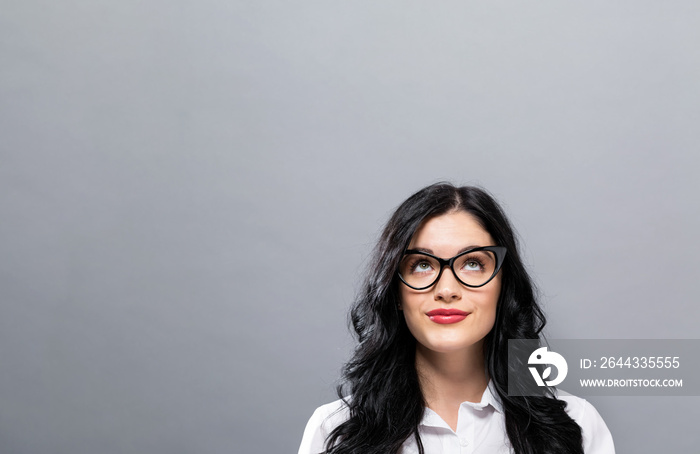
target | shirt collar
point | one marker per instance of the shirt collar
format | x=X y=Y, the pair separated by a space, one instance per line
x=490 y=397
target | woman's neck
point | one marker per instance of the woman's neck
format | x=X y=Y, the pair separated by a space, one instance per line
x=450 y=378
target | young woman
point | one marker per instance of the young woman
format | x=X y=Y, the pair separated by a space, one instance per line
x=445 y=291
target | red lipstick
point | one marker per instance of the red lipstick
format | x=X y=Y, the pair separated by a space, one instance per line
x=447 y=316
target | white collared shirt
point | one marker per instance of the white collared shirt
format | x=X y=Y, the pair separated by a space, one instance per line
x=480 y=428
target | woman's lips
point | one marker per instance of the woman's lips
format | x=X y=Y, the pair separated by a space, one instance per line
x=446 y=316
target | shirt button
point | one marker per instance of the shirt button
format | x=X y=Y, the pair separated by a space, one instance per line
x=463 y=442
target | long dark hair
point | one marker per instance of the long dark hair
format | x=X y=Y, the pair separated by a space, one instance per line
x=386 y=404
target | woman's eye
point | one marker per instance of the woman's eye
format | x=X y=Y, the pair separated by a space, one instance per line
x=422 y=267
x=472 y=265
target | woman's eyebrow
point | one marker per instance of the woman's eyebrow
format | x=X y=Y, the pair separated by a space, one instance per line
x=466 y=248
x=430 y=251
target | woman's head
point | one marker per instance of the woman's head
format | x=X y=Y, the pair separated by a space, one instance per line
x=450 y=308
x=383 y=287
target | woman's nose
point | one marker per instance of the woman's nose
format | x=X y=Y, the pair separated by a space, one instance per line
x=448 y=288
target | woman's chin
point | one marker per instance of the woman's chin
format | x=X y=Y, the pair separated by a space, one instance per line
x=445 y=346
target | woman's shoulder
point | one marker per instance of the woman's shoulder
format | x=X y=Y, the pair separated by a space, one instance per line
x=596 y=435
x=322 y=422
x=336 y=411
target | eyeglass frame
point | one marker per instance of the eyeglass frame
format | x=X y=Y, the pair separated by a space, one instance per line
x=499 y=251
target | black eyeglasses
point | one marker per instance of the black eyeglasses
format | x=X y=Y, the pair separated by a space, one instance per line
x=473 y=268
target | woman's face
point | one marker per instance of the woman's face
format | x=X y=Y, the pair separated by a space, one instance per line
x=446 y=236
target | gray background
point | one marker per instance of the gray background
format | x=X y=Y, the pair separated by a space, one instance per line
x=190 y=190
